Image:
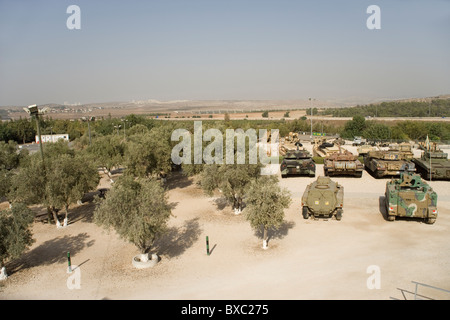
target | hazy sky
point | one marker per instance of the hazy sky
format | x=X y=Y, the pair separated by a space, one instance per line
x=221 y=49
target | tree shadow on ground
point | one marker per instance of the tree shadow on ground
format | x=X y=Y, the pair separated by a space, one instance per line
x=51 y=251
x=221 y=203
x=178 y=239
x=276 y=233
x=177 y=180
x=83 y=212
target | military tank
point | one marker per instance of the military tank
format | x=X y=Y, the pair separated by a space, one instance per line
x=390 y=162
x=410 y=196
x=324 y=197
x=433 y=164
x=343 y=163
x=365 y=148
x=298 y=162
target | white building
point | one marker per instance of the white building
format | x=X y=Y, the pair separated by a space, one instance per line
x=53 y=137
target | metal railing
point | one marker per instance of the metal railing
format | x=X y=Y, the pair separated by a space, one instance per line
x=428 y=286
x=418 y=296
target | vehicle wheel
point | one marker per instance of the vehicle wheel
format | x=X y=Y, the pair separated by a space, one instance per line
x=305 y=212
x=430 y=220
x=358 y=174
x=325 y=172
x=339 y=213
x=391 y=218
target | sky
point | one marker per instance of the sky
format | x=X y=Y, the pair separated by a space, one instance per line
x=222 y=50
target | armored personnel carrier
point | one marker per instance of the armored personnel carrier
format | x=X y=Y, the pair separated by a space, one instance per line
x=433 y=164
x=410 y=196
x=343 y=163
x=390 y=162
x=298 y=162
x=323 y=197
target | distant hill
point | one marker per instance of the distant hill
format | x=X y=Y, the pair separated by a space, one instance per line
x=335 y=107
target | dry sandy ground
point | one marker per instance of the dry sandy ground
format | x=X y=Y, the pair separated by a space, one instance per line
x=306 y=259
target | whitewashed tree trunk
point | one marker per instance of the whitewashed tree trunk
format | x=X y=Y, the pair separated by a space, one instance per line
x=67 y=213
x=3 y=274
x=144 y=257
x=265 y=239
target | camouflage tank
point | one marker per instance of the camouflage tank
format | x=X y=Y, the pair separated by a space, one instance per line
x=343 y=163
x=391 y=162
x=323 y=197
x=410 y=196
x=433 y=164
x=298 y=162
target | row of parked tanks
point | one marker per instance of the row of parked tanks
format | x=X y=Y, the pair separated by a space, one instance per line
x=433 y=164
x=409 y=196
x=406 y=196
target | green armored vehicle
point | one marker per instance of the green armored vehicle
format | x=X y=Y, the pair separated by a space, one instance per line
x=323 y=197
x=410 y=196
x=298 y=162
x=390 y=162
x=433 y=164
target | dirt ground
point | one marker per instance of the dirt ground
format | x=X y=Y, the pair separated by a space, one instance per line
x=306 y=259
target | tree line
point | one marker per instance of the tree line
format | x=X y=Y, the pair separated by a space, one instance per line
x=433 y=108
x=399 y=131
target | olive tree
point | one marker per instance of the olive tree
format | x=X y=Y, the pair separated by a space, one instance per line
x=62 y=179
x=266 y=202
x=68 y=179
x=231 y=179
x=137 y=209
x=108 y=151
x=15 y=233
x=10 y=160
x=149 y=153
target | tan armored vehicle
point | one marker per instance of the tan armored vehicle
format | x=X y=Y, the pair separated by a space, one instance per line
x=323 y=197
x=290 y=143
x=343 y=163
x=404 y=150
x=365 y=148
x=390 y=162
x=323 y=149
